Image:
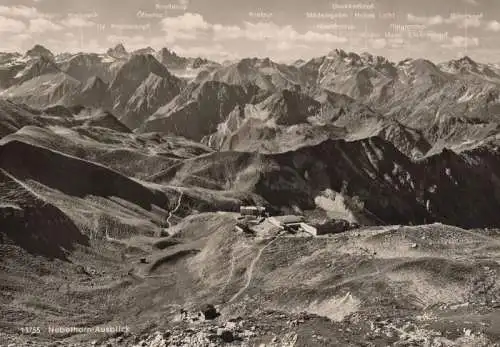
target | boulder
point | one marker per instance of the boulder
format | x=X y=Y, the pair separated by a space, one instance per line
x=226 y=335
x=209 y=312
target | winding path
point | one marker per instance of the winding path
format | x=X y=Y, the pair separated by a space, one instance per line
x=251 y=268
x=231 y=272
x=171 y=213
x=112 y=239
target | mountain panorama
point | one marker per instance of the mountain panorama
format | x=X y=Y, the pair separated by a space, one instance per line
x=153 y=199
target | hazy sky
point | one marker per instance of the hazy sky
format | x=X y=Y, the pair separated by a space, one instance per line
x=280 y=29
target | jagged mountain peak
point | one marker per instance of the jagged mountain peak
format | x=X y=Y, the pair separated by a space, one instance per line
x=466 y=60
x=247 y=63
x=167 y=52
x=120 y=48
x=467 y=66
x=374 y=59
x=198 y=62
x=170 y=59
x=337 y=52
x=38 y=66
x=134 y=72
x=118 y=51
x=39 y=51
x=266 y=62
x=146 y=63
x=349 y=58
x=464 y=64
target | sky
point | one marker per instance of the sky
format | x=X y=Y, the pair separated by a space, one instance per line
x=284 y=30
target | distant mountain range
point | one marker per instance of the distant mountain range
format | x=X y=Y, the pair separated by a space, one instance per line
x=416 y=110
x=452 y=104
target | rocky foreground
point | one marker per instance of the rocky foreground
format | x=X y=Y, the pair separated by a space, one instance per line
x=208 y=285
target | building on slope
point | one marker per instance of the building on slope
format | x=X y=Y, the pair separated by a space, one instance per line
x=255 y=211
x=293 y=224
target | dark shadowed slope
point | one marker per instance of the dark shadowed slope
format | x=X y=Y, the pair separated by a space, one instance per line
x=34 y=224
x=198 y=110
x=371 y=175
x=73 y=176
x=132 y=74
x=154 y=92
x=139 y=156
x=13 y=117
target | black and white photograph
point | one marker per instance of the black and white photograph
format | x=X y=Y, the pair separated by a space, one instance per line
x=259 y=173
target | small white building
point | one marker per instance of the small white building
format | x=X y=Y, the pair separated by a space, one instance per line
x=293 y=222
x=281 y=221
x=309 y=229
x=256 y=211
